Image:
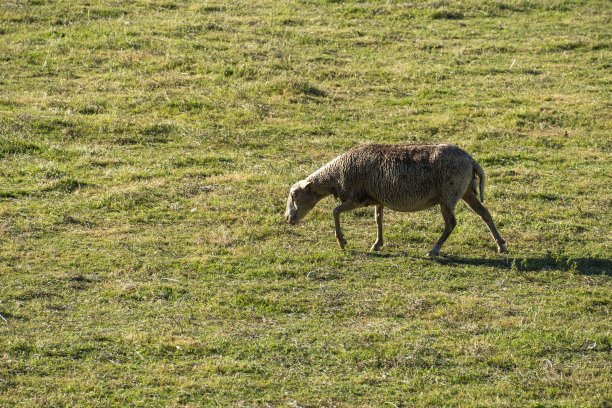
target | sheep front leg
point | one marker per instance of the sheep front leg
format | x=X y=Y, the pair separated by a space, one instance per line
x=378 y=215
x=345 y=206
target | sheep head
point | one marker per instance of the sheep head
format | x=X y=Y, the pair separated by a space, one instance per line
x=302 y=199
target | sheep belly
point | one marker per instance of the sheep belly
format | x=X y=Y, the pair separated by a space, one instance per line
x=401 y=192
x=411 y=206
x=411 y=197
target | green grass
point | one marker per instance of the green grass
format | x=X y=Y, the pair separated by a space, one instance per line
x=146 y=152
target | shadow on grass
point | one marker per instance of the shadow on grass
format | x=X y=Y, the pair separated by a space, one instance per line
x=585 y=266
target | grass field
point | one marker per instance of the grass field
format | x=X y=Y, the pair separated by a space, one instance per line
x=146 y=152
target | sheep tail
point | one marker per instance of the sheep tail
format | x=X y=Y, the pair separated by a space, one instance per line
x=478 y=171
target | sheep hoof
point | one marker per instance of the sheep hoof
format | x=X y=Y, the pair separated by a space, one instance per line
x=375 y=247
x=433 y=253
x=501 y=249
x=341 y=242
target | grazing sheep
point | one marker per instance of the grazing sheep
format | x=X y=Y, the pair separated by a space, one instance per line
x=400 y=177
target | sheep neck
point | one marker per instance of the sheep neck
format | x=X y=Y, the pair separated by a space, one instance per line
x=325 y=180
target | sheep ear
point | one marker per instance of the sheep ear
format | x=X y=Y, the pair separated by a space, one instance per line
x=308 y=185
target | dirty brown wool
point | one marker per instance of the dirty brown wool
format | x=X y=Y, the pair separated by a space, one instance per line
x=403 y=178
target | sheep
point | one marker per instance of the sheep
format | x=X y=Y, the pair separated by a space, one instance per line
x=405 y=178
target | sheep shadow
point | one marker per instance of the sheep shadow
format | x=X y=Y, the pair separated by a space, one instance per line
x=582 y=265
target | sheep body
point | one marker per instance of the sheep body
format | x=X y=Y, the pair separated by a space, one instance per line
x=403 y=178
x=400 y=177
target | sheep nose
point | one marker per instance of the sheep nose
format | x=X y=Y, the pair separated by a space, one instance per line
x=289 y=219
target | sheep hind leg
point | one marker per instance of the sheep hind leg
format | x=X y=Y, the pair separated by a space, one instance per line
x=345 y=206
x=449 y=225
x=471 y=200
x=378 y=215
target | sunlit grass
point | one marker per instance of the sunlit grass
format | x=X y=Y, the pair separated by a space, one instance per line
x=146 y=151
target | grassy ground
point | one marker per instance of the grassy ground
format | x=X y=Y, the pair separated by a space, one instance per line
x=146 y=151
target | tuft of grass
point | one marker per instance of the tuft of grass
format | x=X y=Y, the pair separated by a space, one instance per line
x=11 y=146
x=444 y=14
x=67 y=185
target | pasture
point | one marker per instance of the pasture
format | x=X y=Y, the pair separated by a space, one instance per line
x=146 y=153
